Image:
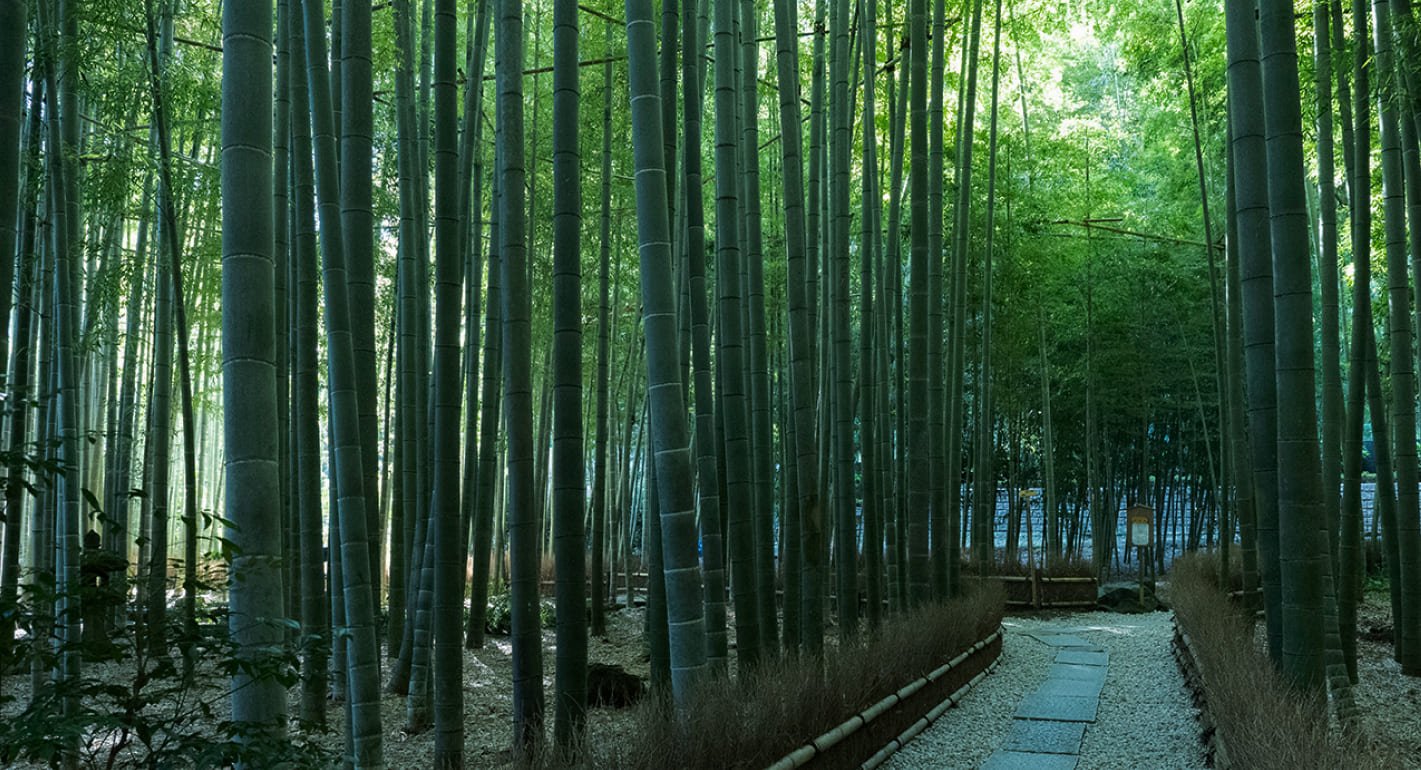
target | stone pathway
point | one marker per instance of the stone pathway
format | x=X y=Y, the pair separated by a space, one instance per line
x=1143 y=717
x=1050 y=723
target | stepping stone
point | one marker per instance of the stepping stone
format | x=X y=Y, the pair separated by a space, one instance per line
x=1076 y=671
x=1042 y=737
x=1075 y=688
x=1061 y=708
x=1022 y=760
x=1083 y=657
x=1063 y=640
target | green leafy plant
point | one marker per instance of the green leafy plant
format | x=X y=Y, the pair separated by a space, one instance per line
x=133 y=707
x=498 y=620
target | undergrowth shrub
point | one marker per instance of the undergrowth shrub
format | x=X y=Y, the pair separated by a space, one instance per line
x=1265 y=722
x=132 y=705
x=498 y=619
x=755 y=720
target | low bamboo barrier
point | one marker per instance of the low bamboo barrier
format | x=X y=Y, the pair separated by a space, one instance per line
x=869 y=737
x=1044 y=592
x=1216 y=752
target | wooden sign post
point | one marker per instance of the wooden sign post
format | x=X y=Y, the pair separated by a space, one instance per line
x=1027 y=495
x=1140 y=533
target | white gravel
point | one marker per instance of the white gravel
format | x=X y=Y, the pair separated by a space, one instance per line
x=1145 y=717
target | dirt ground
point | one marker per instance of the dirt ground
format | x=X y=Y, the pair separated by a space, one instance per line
x=1390 y=703
x=488 y=701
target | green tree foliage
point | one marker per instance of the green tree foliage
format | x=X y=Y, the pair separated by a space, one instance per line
x=1039 y=312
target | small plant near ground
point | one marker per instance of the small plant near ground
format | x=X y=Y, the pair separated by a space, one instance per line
x=133 y=706
x=498 y=620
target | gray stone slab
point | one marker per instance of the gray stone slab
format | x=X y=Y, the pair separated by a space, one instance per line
x=1076 y=688
x=1083 y=657
x=1061 y=708
x=1022 y=760
x=1076 y=671
x=1062 y=640
x=1045 y=737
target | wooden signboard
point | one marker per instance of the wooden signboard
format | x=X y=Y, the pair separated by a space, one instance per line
x=1140 y=520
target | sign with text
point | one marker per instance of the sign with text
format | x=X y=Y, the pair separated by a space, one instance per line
x=1141 y=521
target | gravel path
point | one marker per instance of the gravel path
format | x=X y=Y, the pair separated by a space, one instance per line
x=1144 y=719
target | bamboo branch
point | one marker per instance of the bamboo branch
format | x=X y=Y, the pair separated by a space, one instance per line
x=1097 y=224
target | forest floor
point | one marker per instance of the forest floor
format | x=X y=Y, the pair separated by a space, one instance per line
x=1389 y=703
x=488 y=702
x=488 y=697
x=1144 y=716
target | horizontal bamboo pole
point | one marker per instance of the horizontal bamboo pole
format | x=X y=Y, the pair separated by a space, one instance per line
x=802 y=755
x=1025 y=578
x=926 y=720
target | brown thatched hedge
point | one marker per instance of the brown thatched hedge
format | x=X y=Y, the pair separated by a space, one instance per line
x=754 y=721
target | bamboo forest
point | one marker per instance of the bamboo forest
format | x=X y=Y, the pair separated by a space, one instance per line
x=710 y=384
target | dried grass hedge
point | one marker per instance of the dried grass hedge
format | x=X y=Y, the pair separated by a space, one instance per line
x=1264 y=721
x=751 y=722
